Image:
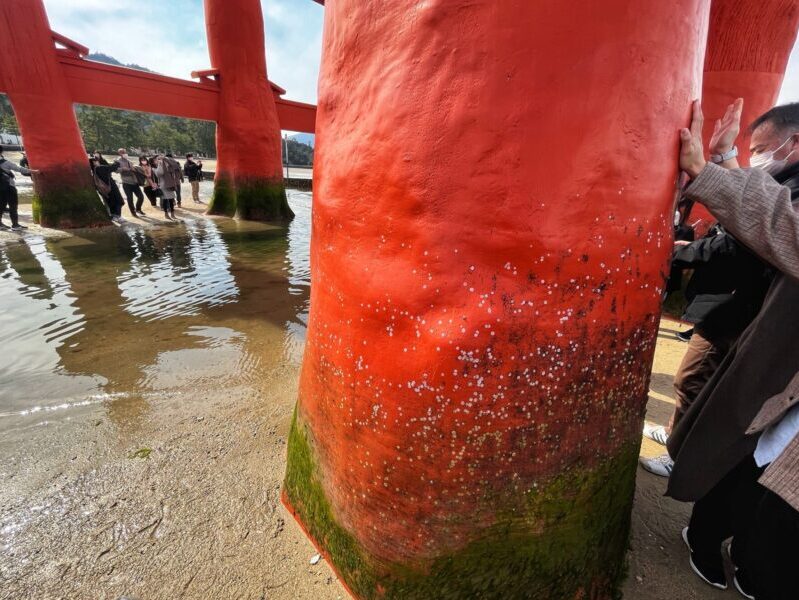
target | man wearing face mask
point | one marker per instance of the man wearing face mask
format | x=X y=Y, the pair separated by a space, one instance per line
x=725 y=293
x=130 y=185
x=737 y=447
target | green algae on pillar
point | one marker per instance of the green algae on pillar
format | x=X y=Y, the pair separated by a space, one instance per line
x=223 y=200
x=262 y=200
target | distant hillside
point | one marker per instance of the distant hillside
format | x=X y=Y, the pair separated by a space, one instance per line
x=304 y=138
x=110 y=60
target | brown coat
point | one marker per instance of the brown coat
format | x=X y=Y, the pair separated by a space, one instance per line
x=759 y=379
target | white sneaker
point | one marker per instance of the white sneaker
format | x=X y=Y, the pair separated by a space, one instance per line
x=656 y=433
x=660 y=465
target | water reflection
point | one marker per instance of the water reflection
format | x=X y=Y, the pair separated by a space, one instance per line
x=123 y=316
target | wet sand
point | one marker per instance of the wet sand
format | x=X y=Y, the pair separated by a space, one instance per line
x=143 y=457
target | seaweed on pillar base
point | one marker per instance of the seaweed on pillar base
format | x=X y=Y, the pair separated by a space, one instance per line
x=564 y=539
x=262 y=200
x=68 y=200
x=251 y=200
x=223 y=200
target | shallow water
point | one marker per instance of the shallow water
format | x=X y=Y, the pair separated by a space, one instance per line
x=119 y=316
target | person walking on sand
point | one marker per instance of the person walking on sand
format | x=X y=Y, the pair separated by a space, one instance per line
x=145 y=170
x=167 y=183
x=130 y=185
x=194 y=173
x=8 y=191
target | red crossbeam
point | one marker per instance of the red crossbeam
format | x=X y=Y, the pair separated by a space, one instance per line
x=100 y=84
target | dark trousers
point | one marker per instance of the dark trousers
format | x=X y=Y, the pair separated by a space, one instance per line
x=763 y=527
x=132 y=189
x=773 y=555
x=177 y=192
x=727 y=511
x=114 y=201
x=150 y=193
x=700 y=361
x=9 y=201
x=168 y=204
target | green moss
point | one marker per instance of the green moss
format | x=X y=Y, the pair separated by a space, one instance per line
x=223 y=202
x=569 y=541
x=69 y=208
x=262 y=200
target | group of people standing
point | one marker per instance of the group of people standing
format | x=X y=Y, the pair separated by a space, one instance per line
x=733 y=440
x=155 y=177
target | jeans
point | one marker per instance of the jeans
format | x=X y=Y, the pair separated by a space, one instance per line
x=195 y=190
x=132 y=189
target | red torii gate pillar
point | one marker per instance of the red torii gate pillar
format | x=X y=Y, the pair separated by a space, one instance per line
x=29 y=72
x=748 y=47
x=492 y=223
x=249 y=176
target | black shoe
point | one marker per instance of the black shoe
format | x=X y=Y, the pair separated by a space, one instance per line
x=17 y=227
x=3 y=227
x=743 y=585
x=709 y=568
x=685 y=336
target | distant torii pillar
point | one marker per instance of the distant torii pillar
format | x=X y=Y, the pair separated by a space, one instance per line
x=249 y=174
x=64 y=192
x=749 y=43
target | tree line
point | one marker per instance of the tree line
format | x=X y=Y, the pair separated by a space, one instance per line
x=108 y=129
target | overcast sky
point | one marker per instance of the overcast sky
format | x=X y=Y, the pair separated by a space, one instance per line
x=168 y=36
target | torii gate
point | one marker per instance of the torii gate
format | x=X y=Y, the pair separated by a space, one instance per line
x=44 y=74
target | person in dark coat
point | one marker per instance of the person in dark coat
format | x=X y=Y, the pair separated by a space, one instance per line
x=107 y=188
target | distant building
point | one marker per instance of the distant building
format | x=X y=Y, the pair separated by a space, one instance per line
x=10 y=139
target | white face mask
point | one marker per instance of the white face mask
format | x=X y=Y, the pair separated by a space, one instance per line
x=767 y=162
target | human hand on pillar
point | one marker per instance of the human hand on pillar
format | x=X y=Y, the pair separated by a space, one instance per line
x=692 y=156
x=727 y=128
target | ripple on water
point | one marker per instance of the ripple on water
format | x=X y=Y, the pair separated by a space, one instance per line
x=128 y=313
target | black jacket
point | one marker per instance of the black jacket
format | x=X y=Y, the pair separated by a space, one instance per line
x=729 y=282
x=193 y=171
x=728 y=286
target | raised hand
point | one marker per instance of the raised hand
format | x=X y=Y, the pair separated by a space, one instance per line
x=726 y=129
x=692 y=156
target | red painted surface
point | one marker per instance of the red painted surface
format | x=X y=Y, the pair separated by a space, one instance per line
x=248 y=132
x=31 y=76
x=749 y=43
x=490 y=236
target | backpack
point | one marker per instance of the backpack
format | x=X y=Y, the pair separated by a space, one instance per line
x=101 y=186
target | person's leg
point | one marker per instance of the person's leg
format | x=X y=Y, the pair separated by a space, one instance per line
x=195 y=191
x=13 y=206
x=150 y=193
x=116 y=201
x=177 y=193
x=712 y=522
x=128 y=189
x=772 y=553
x=139 y=198
x=3 y=205
x=701 y=360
